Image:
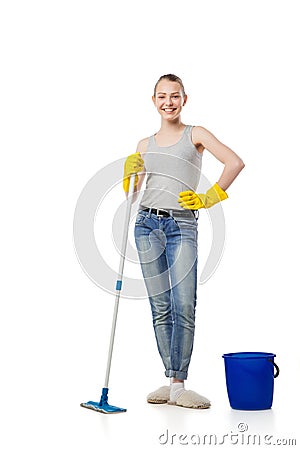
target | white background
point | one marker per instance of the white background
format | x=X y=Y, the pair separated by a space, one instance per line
x=76 y=85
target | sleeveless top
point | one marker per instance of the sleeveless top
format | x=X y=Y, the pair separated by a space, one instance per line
x=170 y=170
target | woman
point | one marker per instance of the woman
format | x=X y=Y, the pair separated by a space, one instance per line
x=166 y=229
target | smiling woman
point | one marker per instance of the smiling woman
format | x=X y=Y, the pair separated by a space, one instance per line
x=166 y=229
x=170 y=98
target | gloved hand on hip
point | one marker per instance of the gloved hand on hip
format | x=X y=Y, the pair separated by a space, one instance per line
x=133 y=164
x=191 y=200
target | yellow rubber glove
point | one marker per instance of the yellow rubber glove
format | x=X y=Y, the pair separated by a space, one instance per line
x=133 y=164
x=191 y=200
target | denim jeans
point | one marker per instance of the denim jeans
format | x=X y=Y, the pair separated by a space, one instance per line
x=167 y=249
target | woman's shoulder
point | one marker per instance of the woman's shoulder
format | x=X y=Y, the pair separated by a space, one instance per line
x=200 y=130
x=142 y=145
x=199 y=134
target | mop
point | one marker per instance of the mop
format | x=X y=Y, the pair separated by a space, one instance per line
x=103 y=406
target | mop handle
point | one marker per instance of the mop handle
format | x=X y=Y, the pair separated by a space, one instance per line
x=125 y=233
x=120 y=276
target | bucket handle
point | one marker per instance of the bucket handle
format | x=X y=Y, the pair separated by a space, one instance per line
x=276 y=367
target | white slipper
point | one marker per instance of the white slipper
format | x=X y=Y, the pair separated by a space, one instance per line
x=161 y=395
x=190 y=399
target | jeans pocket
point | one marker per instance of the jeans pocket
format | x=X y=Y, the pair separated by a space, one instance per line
x=186 y=223
x=140 y=218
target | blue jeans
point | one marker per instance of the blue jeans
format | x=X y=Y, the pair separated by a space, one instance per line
x=167 y=249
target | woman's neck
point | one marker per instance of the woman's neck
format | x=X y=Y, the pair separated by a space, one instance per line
x=171 y=127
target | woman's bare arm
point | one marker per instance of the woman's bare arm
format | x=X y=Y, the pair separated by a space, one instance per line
x=232 y=162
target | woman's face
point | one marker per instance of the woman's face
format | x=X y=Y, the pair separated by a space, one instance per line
x=169 y=99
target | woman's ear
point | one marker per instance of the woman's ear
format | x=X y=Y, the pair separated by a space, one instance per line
x=153 y=99
x=185 y=100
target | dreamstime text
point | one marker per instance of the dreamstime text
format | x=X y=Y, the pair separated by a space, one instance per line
x=239 y=437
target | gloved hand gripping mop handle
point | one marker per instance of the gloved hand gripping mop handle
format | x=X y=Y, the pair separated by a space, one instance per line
x=120 y=276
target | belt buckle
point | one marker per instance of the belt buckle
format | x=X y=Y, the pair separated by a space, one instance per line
x=160 y=215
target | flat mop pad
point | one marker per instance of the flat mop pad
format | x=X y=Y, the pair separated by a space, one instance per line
x=103 y=405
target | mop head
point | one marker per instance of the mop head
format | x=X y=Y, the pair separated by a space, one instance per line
x=103 y=405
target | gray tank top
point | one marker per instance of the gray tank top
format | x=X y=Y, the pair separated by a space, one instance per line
x=170 y=170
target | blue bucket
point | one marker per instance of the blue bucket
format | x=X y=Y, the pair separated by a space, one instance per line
x=250 y=379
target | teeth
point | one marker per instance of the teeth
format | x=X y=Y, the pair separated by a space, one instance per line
x=169 y=110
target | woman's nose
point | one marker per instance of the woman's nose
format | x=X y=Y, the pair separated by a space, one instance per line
x=169 y=100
